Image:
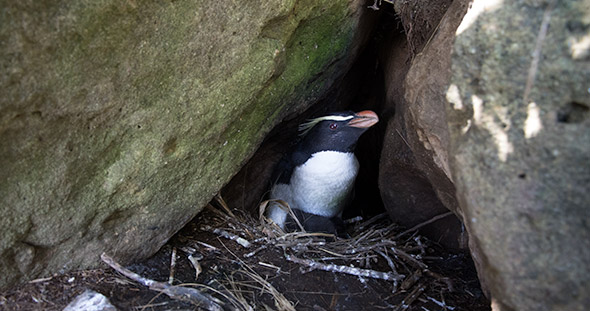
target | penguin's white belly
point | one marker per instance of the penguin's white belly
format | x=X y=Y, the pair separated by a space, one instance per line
x=320 y=186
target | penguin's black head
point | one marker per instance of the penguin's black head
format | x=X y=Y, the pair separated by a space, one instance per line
x=338 y=131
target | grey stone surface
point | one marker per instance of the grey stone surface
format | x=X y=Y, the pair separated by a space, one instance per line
x=519 y=120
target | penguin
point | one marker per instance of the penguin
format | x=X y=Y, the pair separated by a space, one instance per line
x=316 y=179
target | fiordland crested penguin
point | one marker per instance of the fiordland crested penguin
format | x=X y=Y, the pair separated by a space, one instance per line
x=317 y=178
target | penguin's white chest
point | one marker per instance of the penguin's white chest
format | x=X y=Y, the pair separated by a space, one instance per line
x=320 y=186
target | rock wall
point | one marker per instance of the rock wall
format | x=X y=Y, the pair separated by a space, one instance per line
x=492 y=117
x=414 y=175
x=119 y=120
x=519 y=119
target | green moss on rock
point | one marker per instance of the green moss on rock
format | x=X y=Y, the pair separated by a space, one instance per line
x=121 y=119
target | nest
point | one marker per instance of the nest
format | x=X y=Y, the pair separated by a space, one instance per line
x=242 y=263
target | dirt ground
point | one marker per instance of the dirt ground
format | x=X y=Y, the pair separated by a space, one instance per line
x=379 y=267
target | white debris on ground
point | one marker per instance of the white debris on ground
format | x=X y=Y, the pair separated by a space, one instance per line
x=90 y=301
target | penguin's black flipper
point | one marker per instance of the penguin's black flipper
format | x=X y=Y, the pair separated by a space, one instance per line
x=284 y=169
x=282 y=172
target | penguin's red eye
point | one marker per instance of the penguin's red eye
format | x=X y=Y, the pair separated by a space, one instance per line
x=333 y=126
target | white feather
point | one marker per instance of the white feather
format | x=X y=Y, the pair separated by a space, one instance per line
x=320 y=186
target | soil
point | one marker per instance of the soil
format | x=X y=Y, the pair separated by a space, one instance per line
x=434 y=279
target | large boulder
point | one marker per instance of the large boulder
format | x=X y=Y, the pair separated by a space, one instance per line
x=492 y=117
x=119 y=120
x=519 y=119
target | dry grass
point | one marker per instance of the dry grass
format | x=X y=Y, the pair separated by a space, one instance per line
x=229 y=260
x=375 y=250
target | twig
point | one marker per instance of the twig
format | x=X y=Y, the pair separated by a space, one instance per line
x=371 y=221
x=346 y=269
x=353 y=220
x=267 y=265
x=282 y=303
x=254 y=252
x=405 y=141
x=298 y=235
x=40 y=280
x=175 y=292
x=441 y=304
x=209 y=246
x=389 y=261
x=172 y=266
x=391 y=266
x=440 y=278
x=422 y=224
x=224 y=205
x=411 y=280
x=245 y=243
x=411 y=297
x=331 y=252
x=408 y=258
x=195 y=262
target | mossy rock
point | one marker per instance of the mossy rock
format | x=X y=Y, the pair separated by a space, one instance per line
x=119 y=120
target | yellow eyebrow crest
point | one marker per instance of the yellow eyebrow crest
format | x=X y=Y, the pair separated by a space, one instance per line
x=304 y=128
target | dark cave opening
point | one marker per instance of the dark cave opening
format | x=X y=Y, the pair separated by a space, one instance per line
x=361 y=88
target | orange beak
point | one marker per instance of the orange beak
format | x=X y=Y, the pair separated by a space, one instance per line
x=364 y=119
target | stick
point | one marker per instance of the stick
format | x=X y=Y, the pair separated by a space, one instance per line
x=284 y=206
x=195 y=262
x=410 y=298
x=372 y=220
x=405 y=141
x=422 y=224
x=346 y=269
x=413 y=261
x=245 y=243
x=172 y=266
x=254 y=252
x=175 y=292
x=391 y=266
x=221 y=202
x=441 y=304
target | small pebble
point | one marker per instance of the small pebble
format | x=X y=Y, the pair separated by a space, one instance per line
x=90 y=301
